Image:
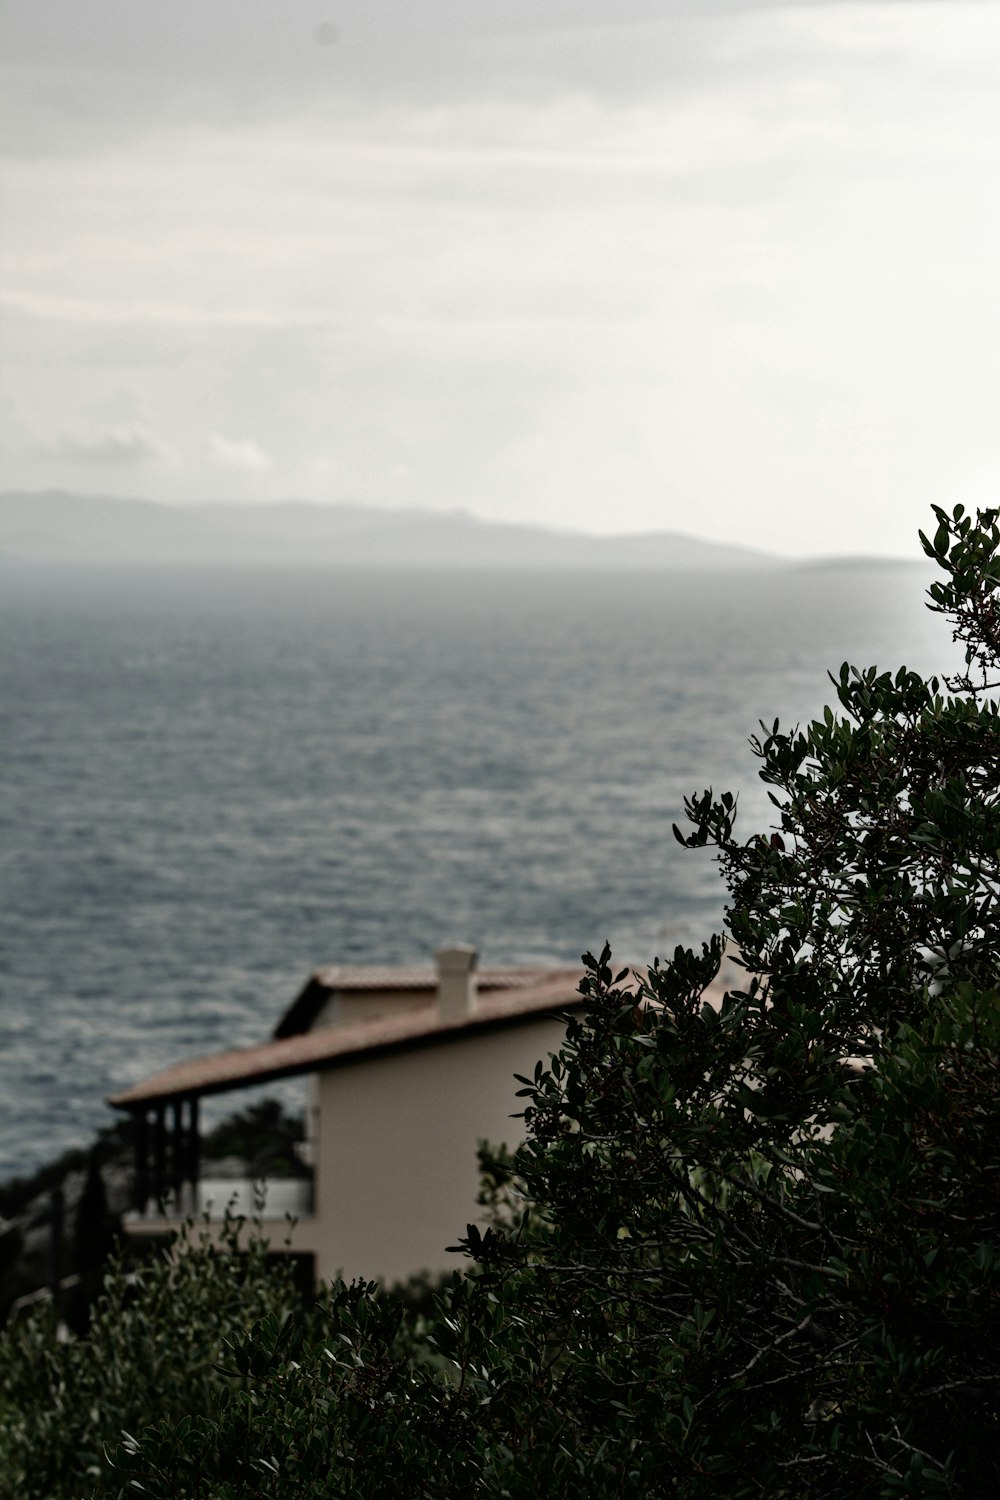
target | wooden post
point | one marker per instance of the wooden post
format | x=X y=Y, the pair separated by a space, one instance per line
x=140 y=1187
x=194 y=1151
x=177 y=1152
x=58 y=1207
x=159 y=1153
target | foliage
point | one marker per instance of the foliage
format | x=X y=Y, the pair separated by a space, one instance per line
x=747 y=1249
x=263 y=1136
x=151 y=1354
x=768 y=1233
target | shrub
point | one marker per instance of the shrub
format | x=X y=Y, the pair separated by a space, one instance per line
x=152 y=1353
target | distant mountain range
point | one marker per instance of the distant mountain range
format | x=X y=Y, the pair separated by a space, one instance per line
x=59 y=527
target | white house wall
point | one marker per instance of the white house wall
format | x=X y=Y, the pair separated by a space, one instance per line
x=396 y=1172
x=345 y=1008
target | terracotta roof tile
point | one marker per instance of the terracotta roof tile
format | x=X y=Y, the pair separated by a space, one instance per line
x=357 y=982
x=348 y=978
x=533 y=993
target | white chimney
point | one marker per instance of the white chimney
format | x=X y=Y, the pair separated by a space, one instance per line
x=456 y=981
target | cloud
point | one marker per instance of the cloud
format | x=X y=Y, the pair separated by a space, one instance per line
x=239 y=453
x=118 y=445
x=112 y=309
x=76 y=79
x=580 y=262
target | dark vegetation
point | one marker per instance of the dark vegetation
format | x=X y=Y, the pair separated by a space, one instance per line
x=60 y=1223
x=262 y=1138
x=750 y=1251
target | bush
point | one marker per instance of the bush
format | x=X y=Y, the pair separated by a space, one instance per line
x=156 y=1340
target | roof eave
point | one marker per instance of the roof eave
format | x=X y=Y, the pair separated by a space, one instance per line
x=148 y=1096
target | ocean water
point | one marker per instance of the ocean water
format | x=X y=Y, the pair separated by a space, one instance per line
x=214 y=782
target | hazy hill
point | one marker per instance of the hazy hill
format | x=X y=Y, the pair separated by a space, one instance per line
x=55 y=526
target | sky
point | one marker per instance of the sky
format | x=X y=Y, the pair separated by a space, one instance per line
x=611 y=265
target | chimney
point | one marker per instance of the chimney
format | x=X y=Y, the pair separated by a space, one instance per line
x=456 y=981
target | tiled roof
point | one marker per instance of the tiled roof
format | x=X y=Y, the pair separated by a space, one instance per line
x=345 y=979
x=533 y=993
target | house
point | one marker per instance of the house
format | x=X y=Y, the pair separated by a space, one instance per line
x=407 y=1069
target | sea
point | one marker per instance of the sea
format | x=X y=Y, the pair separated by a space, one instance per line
x=214 y=782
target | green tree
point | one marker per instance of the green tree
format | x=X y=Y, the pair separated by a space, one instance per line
x=765 y=1237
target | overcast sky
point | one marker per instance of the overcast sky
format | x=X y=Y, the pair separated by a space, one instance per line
x=609 y=264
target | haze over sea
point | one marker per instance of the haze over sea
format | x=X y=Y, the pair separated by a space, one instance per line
x=217 y=780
